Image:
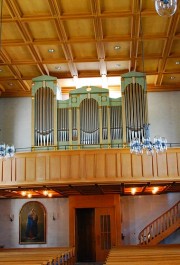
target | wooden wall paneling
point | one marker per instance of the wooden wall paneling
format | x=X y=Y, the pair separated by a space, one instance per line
x=172 y=165
x=118 y=157
x=20 y=170
x=89 y=166
x=118 y=215
x=30 y=169
x=100 y=165
x=75 y=166
x=7 y=171
x=54 y=167
x=65 y=166
x=126 y=165
x=162 y=165
x=40 y=168
x=94 y=201
x=137 y=166
x=111 y=165
x=147 y=166
x=155 y=166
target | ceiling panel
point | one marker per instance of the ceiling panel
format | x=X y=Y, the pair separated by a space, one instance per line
x=84 y=36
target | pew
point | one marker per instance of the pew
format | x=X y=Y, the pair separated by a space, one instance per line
x=141 y=255
x=38 y=256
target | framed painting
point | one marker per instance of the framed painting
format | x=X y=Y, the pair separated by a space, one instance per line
x=32 y=223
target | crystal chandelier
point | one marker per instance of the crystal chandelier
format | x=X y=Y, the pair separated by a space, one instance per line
x=159 y=145
x=6 y=151
x=166 y=7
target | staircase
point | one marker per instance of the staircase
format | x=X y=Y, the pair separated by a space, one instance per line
x=161 y=227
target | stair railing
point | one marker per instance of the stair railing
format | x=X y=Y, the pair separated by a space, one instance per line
x=159 y=225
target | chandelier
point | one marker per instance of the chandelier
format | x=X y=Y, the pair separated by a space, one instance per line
x=166 y=7
x=159 y=145
x=6 y=151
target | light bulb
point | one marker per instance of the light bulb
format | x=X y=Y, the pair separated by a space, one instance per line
x=166 y=7
x=23 y=193
x=133 y=191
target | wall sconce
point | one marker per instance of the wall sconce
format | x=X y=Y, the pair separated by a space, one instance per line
x=11 y=217
x=54 y=217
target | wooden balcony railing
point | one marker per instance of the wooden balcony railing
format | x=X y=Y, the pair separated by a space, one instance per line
x=162 y=227
x=93 y=165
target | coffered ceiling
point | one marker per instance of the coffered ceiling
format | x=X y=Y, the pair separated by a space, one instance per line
x=73 y=40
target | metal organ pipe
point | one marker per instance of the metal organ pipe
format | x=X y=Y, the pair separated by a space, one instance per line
x=135 y=108
x=44 y=116
x=89 y=124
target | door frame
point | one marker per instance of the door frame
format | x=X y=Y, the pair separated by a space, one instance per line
x=94 y=201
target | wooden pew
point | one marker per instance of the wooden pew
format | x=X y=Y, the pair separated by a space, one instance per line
x=41 y=256
x=140 y=255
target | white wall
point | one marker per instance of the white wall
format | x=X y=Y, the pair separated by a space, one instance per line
x=57 y=231
x=164 y=115
x=15 y=121
x=139 y=211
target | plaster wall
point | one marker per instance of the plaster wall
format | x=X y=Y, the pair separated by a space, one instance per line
x=57 y=231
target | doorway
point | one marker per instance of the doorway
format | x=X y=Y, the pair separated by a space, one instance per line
x=94 y=226
x=85 y=234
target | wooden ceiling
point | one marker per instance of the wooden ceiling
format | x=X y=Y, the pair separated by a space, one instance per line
x=66 y=190
x=90 y=38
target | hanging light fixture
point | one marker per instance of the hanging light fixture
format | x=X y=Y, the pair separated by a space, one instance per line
x=159 y=145
x=166 y=7
x=6 y=151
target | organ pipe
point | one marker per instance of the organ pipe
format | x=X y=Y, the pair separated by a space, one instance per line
x=89 y=116
x=43 y=117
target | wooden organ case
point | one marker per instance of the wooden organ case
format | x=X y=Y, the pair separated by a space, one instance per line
x=89 y=118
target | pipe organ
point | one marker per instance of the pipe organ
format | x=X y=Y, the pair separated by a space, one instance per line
x=89 y=117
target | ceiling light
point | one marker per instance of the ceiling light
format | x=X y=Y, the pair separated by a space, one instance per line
x=133 y=191
x=166 y=7
x=45 y=192
x=117 y=47
x=23 y=193
x=172 y=77
x=51 y=50
x=29 y=195
x=159 y=145
x=58 y=67
x=155 y=190
x=1 y=70
x=49 y=195
x=6 y=151
x=178 y=62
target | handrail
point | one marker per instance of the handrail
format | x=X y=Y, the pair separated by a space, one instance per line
x=159 y=225
x=80 y=146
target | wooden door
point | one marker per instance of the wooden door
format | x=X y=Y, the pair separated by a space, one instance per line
x=105 y=231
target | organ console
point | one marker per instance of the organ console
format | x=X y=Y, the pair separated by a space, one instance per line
x=89 y=117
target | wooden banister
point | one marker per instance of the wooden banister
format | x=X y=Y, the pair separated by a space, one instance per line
x=161 y=227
